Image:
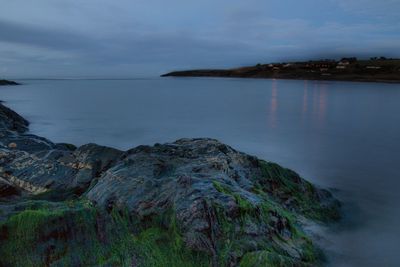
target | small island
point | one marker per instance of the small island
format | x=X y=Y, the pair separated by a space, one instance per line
x=347 y=69
x=193 y=202
x=7 y=82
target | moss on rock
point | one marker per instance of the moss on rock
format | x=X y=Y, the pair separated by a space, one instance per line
x=74 y=233
x=297 y=194
x=66 y=234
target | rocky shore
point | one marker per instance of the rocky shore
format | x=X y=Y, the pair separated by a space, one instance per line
x=193 y=202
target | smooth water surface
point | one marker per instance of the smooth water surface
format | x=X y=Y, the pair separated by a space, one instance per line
x=340 y=135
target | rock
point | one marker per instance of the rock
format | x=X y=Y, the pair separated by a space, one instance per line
x=6 y=82
x=12 y=145
x=193 y=202
x=8 y=190
x=9 y=120
x=225 y=183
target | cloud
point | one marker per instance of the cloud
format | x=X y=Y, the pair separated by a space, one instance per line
x=373 y=8
x=28 y=45
x=127 y=37
x=41 y=37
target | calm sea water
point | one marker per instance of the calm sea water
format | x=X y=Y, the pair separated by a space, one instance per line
x=340 y=135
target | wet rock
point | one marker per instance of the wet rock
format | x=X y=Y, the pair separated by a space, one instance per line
x=152 y=180
x=197 y=195
x=8 y=190
x=10 y=120
x=12 y=145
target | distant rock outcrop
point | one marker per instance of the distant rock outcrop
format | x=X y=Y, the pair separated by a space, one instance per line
x=6 y=82
x=193 y=202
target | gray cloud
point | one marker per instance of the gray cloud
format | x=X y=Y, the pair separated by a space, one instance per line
x=42 y=37
x=387 y=8
x=128 y=38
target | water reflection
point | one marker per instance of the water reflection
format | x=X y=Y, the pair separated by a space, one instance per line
x=318 y=105
x=305 y=99
x=321 y=104
x=273 y=106
x=315 y=100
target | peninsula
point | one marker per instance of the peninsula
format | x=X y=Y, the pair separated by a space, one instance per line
x=7 y=82
x=347 y=69
x=193 y=202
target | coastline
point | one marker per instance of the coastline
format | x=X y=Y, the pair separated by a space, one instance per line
x=8 y=82
x=183 y=74
x=193 y=195
x=378 y=70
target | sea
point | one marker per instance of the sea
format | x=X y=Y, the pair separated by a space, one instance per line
x=344 y=136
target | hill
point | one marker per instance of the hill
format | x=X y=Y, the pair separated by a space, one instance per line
x=346 y=69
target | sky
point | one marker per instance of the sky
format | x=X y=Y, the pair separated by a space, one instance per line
x=140 y=38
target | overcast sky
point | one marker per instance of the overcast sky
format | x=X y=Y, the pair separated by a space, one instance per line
x=132 y=38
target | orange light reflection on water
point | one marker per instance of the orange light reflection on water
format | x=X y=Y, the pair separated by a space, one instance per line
x=273 y=107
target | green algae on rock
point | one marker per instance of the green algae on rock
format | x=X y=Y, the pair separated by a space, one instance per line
x=193 y=202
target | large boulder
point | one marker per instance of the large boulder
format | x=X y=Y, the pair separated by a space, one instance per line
x=219 y=197
x=193 y=202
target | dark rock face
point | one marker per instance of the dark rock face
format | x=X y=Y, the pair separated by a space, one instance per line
x=11 y=121
x=8 y=190
x=196 y=200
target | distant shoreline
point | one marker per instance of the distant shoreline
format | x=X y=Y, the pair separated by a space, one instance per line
x=7 y=82
x=286 y=78
x=351 y=70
